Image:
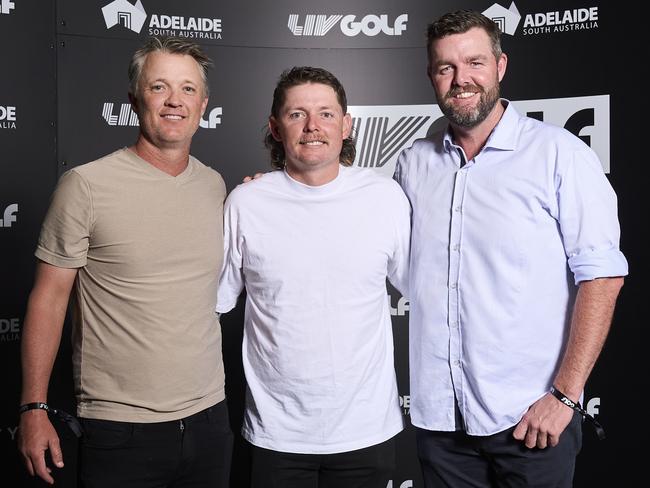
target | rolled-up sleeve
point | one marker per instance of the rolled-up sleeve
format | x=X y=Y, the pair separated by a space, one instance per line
x=588 y=217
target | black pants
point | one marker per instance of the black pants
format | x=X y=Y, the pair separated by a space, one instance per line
x=370 y=467
x=458 y=460
x=192 y=452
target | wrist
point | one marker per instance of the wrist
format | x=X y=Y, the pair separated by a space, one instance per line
x=33 y=406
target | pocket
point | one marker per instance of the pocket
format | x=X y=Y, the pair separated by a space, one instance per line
x=106 y=434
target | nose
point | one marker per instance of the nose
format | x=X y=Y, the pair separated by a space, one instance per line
x=311 y=123
x=173 y=98
x=461 y=76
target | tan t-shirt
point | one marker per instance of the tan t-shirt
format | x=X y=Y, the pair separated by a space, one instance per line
x=149 y=248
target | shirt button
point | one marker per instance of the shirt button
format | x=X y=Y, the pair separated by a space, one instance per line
x=453 y=286
x=454 y=325
x=457 y=209
x=456 y=247
x=456 y=362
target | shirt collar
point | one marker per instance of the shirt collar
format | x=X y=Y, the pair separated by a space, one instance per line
x=503 y=136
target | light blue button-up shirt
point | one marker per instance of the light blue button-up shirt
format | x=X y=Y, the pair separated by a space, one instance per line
x=498 y=248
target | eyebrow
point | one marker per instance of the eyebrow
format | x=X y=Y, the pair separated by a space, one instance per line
x=323 y=107
x=164 y=80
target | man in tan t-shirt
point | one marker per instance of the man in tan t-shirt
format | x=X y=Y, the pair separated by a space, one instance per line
x=139 y=235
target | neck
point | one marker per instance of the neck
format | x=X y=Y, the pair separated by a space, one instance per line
x=316 y=176
x=473 y=139
x=172 y=161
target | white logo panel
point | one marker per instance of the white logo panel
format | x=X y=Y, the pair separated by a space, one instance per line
x=384 y=130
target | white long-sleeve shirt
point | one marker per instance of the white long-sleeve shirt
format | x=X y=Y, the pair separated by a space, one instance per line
x=497 y=249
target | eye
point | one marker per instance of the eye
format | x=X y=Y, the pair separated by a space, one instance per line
x=157 y=87
x=189 y=89
x=444 y=70
x=327 y=115
x=295 y=115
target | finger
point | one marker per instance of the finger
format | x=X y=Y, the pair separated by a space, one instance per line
x=553 y=440
x=257 y=175
x=29 y=466
x=247 y=179
x=542 y=440
x=56 y=453
x=41 y=469
x=531 y=437
x=520 y=430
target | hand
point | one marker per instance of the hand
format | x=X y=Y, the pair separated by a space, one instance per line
x=254 y=177
x=543 y=423
x=35 y=436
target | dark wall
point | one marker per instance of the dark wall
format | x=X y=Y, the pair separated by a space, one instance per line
x=63 y=102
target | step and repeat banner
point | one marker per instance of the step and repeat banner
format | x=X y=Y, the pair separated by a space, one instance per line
x=63 y=102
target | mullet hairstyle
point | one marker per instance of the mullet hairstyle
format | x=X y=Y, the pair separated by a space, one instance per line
x=301 y=75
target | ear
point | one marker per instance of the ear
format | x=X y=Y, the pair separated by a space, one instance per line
x=134 y=102
x=275 y=129
x=502 y=63
x=204 y=105
x=347 y=126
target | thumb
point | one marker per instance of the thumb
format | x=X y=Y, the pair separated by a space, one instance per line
x=55 y=452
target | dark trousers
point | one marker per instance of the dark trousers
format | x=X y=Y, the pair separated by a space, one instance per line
x=458 y=460
x=192 y=452
x=370 y=467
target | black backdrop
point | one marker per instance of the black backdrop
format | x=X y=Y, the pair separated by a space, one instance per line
x=63 y=102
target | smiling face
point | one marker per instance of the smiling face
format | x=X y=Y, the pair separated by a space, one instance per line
x=171 y=100
x=311 y=126
x=465 y=76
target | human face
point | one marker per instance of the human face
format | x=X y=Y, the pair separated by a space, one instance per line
x=465 y=76
x=311 y=126
x=171 y=99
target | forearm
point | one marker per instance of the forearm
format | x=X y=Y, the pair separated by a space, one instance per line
x=40 y=343
x=42 y=330
x=590 y=323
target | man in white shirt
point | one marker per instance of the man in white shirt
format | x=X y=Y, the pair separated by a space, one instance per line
x=313 y=244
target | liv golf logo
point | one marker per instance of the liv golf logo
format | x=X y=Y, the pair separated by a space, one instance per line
x=124 y=116
x=369 y=25
x=133 y=17
x=384 y=130
x=9 y=215
x=6 y=6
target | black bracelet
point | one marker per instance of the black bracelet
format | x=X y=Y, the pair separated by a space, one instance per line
x=600 y=432
x=70 y=420
x=33 y=406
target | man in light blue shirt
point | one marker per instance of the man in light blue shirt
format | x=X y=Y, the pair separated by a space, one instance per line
x=515 y=271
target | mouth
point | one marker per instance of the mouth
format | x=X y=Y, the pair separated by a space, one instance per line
x=317 y=142
x=172 y=117
x=463 y=95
